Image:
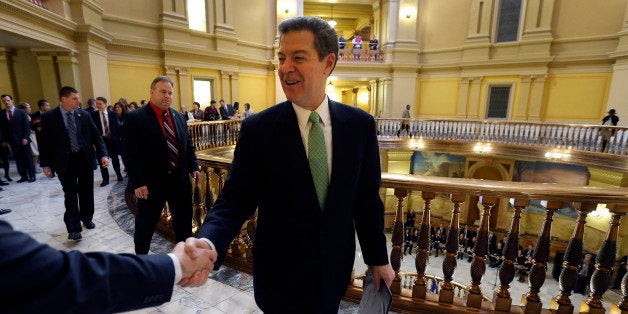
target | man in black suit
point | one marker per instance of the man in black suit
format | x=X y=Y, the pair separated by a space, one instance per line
x=39 y=279
x=224 y=111
x=310 y=166
x=69 y=138
x=159 y=158
x=91 y=106
x=16 y=130
x=107 y=124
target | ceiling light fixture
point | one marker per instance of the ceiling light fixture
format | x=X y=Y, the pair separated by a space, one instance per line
x=332 y=22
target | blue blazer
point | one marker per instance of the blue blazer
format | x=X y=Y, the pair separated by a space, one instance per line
x=294 y=238
x=39 y=279
x=54 y=148
x=17 y=131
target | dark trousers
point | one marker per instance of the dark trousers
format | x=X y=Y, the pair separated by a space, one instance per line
x=78 y=190
x=581 y=284
x=113 y=153
x=4 y=155
x=178 y=194
x=23 y=160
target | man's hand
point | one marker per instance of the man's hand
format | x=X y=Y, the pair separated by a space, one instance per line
x=141 y=192
x=48 y=172
x=383 y=272
x=24 y=141
x=196 y=269
x=104 y=161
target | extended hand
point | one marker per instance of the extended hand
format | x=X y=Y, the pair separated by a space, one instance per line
x=383 y=272
x=195 y=268
x=141 y=192
x=48 y=172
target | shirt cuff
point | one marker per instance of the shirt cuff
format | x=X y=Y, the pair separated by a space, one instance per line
x=178 y=273
x=211 y=244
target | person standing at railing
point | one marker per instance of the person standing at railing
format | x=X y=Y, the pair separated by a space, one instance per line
x=211 y=112
x=405 y=125
x=357 y=47
x=610 y=120
x=312 y=183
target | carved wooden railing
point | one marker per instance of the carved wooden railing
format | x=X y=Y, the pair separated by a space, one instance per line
x=361 y=55
x=210 y=134
x=573 y=137
x=411 y=289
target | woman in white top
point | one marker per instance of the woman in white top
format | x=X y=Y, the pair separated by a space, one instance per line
x=247 y=111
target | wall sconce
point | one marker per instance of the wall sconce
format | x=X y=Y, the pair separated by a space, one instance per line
x=481 y=148
x=408 y=13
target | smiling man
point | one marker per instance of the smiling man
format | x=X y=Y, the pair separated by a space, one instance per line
x=310 y=166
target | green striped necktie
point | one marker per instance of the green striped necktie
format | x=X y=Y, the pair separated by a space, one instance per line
x=317 y=157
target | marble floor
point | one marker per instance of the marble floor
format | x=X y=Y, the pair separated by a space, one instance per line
x=38 y=210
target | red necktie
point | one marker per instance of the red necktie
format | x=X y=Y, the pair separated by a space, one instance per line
x=171 y=141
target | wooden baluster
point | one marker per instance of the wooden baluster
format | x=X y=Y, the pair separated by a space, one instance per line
x=251 y=229
x=604 y=263
x=221 y=179
x=423 y=248
x=451 y=262
x=572 y=260
x=198 y=211
x=397 y=241
x=501 y=298
x=480 y=249
x=622 y=306
x=209 y=196
x=531 y=300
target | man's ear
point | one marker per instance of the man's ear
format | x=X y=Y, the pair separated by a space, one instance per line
x=330 y=63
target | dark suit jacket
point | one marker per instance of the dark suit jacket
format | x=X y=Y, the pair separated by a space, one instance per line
x=19 y=130
x=39 y=279
x=54 y=148
x=113 y=122
x=224 y=114
x=145 y=150
x=270 y=171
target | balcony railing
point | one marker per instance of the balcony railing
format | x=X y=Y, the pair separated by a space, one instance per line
x=215 y=141
x=360 y=55
x=39 y=3
x=575 y=137
x=410 y=287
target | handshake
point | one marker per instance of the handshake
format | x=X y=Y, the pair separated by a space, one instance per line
x=197 y=259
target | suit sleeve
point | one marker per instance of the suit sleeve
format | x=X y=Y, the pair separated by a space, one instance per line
x=131 y=151
x=101 y=149
x=26 y=126
x=369 y=208
x=45 y=153
x=232 y=208
x=74 y=282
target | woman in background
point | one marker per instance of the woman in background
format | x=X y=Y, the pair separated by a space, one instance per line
x=197 y=113
x=120 y=110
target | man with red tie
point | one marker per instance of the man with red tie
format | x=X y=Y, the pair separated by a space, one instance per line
x=16 y=132
x=107 y=124
x=159 y=157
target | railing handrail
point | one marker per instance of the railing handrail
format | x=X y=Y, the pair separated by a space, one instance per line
x=500 y=121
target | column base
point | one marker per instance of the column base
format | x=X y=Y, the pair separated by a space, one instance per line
x=418 y=292
x=501 y=304
x=474 y=300
x=531 y=307
x=395 y=287
x=561 y=308
x=585 y=308
x=446 y=296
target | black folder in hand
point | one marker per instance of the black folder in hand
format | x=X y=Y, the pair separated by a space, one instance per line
x=375 y=302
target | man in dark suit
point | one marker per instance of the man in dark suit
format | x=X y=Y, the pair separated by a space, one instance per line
x=16 y=130
x=107 y=124
x=69 y=138
x=39 y=279
x=224 y=112
x=159 y=158
x=310 y=166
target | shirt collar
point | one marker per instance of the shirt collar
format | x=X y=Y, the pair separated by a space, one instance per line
x=63 y=111
x=158 y=111
x=303 y=115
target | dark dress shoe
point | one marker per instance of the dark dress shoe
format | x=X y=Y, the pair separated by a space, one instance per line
x=120 y=178
x=8 y=178
x=31 y=180
x=104 y=183
x=4 y=211
x=90 y=225
x=2 y=183
x=74 y=236
x=22 y=180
